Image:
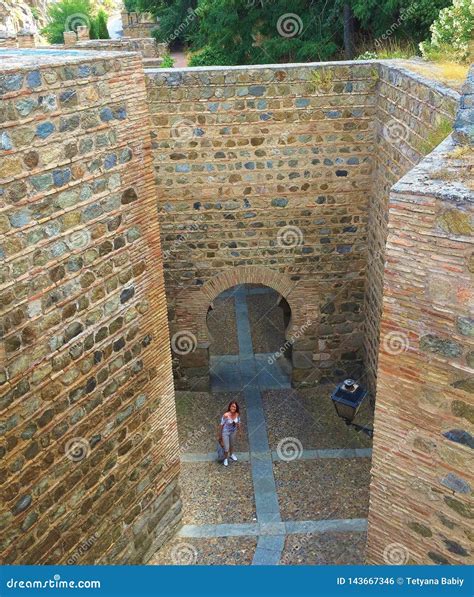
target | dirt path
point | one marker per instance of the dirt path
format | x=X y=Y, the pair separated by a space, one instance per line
x=180 y=59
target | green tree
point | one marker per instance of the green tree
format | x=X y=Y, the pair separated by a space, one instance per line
x=68 y=15
x=265 y=31
x=257 y=32
x=99 y=25
x=404 y=19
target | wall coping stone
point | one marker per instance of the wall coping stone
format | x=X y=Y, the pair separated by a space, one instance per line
x=422 y=177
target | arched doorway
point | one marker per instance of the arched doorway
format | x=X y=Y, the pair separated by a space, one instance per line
x=249 y=322
x=190 y=318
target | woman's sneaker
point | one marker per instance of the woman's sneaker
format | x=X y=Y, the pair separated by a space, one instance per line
x=226 y=462
x=233 y=456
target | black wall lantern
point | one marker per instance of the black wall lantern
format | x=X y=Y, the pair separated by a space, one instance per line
x=347 y=399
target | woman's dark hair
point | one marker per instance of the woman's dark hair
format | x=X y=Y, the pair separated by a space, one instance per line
x=236 y=406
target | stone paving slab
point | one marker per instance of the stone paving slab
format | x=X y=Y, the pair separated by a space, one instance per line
x=295 y=527
x=228 y=373
x=268 y=551
x=212 y=457
x=275 y=456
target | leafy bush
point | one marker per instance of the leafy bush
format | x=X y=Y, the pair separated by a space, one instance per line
x=132 y=5
x=67 y=15
x=209 y=57
x=259 y=32
x=167 y=61
x=451 y=33
x=178 y=22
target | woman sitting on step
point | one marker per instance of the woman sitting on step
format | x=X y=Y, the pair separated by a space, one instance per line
x=230 y=425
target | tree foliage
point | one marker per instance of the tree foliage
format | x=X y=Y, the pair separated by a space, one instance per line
x=68 y=15
x=267 y=31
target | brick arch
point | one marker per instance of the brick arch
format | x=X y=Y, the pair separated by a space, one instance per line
x=192 y=306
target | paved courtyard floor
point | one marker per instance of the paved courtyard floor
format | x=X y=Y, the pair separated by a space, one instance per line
x=298 y=493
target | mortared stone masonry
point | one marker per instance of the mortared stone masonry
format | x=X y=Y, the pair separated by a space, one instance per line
x=89 y=450
x=300 y=177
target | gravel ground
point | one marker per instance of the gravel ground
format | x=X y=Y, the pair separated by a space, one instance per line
x=222 y=327
x=309 y=416
x=199 y=415
x=323 y=489
x=214 y=494
x=266 y=322
x=207 y=552
x=324 y=549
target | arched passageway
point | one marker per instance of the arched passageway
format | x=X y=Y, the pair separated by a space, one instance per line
x=295 y=335
x=249 y=322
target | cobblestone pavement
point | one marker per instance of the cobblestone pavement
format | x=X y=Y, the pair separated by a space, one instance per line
x=298 y=493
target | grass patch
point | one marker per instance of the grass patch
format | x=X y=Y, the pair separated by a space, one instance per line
x=458 y=153
x=321 y=80
x=444 y=174
x=435 y=136
x=390 y=49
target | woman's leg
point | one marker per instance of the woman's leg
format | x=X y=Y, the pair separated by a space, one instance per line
x=232 y=444
x=226 y=442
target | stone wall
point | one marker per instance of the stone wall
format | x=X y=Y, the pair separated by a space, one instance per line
x=89 y=442
x=413 y=115
x=269 y=167
x=147 y=46
x=422 y=465
x=274 y=175
x=135 y=24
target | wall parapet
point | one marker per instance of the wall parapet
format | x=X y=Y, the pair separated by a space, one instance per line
x=421 y=489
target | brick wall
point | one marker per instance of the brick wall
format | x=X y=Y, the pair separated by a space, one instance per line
x=89 y=443
x=422 y=465
x=246 y=158
x=409 y=113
